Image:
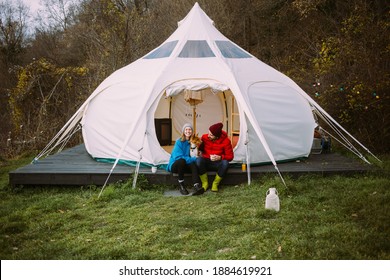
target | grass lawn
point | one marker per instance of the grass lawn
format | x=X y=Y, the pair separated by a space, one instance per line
x=320 y=218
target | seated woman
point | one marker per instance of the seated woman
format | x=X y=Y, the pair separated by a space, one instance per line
x=181 y=162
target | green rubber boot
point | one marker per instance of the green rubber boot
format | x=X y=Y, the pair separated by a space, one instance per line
x=217 y=180
x=205 y=181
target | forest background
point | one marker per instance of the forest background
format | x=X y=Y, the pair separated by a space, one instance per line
x=337 y=51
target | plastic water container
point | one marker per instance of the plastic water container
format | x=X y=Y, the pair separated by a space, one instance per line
x=272 y=200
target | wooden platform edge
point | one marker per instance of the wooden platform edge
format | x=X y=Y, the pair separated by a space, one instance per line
x=75 y=167
x=161 y=177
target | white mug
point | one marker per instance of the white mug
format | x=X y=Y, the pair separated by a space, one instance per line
x=154 y=169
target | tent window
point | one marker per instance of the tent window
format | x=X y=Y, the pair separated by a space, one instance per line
x=229 y=50
x=194 y=48
x=164 y=51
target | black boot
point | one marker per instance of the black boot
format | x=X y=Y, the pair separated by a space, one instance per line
x=198 y=189
x=182 y=189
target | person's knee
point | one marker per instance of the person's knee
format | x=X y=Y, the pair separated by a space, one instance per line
x=222 y=170
x=225 y=164
x=201 y=165
x=179 y=166
x=200 y=161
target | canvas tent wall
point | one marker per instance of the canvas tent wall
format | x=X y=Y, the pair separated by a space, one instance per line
x=118 y=119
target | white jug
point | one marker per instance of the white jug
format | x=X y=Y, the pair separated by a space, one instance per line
x=272 y=200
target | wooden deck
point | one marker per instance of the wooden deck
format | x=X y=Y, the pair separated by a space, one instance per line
x=76 y=167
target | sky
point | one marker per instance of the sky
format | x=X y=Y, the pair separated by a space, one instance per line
x=33 y=4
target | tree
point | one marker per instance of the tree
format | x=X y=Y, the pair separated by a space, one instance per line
x=13 y=39
x=58 y=14
x=12 y=31
x=45 y=97
x=350 y=74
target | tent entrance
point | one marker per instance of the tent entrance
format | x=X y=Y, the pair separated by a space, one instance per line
x=212 y=107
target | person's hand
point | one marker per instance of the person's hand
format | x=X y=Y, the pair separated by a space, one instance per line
x=215 y=157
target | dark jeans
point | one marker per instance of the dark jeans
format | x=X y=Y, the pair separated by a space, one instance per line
x=180 y=167
x=205 y=164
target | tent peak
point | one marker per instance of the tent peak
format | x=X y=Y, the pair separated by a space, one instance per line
x=196 y=10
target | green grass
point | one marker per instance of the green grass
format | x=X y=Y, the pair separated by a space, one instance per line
x=321 y=218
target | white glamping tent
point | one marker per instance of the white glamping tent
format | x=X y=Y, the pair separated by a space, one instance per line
x=197 y=75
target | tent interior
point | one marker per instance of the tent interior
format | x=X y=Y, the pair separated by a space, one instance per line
x=201 y=108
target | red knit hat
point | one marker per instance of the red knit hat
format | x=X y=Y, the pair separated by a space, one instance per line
x=216 y=129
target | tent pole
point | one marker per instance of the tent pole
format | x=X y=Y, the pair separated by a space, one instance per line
x=137 y=170
x=194 y=117
x=248 y=164
x=108 y=177
x=280 y=175
x=170 y=107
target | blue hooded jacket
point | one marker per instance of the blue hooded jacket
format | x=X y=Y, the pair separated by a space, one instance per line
x=180 y=150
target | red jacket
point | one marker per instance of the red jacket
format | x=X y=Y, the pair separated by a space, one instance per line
x=220 y=146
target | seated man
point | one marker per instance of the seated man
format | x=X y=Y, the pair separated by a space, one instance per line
x=217 y=152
